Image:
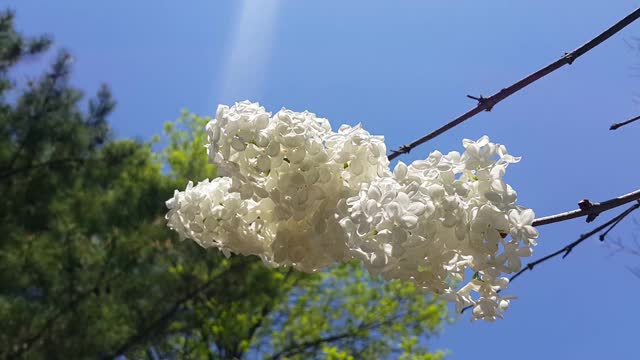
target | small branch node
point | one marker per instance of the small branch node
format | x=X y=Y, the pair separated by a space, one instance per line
x=487 y=103
x=405 y=149
x=586 y=205
x=620 y=124
x=569 y=57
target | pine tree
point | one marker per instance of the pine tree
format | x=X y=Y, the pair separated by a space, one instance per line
x=88 y=268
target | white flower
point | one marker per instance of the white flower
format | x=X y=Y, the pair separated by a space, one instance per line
x=297 y=193
x=478 y=153
x=521 y=228
x=509 y=260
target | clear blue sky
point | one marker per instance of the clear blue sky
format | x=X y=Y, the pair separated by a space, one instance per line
x=402 y=68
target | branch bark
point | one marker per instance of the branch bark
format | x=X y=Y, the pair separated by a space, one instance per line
x=593 y=209
x=567 y=249
x=486 y=104
x=623 y=123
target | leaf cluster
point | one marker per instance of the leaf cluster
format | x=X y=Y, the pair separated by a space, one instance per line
x=88 y=268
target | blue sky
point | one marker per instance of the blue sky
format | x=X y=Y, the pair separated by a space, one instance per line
x=403 y=68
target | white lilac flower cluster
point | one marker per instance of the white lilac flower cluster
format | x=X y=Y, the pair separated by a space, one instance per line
x=296 y=193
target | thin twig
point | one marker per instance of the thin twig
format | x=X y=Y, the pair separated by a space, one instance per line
x=486 y=104
x=617 y=125
x=566 y=250
x=592 y=209
x=299 y=348
x=603 y=236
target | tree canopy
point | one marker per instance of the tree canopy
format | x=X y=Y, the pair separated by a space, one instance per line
x=90 y=270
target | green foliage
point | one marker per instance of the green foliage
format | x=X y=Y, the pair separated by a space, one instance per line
x=14 y=47
x=347 y=314
x=89 y=269
x=185 y=154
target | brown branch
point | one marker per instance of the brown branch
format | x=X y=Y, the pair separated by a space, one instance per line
x=297 y=348
x=486 y=104
x=592 y=209
x=603 y=236
x=620 y=124
x=566 y=250
x=142 y=334
x=311 y=344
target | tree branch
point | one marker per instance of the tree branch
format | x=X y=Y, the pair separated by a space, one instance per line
x=28 y=343
x=566 y=250
x=297 y=348
x=620 y=124
x=141 y=335
x=591 y=209
x=167 y=315
x=486 y=104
